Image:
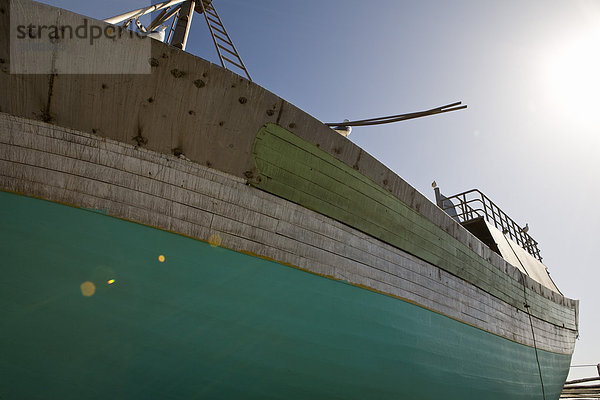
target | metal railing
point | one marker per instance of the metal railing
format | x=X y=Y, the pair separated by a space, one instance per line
x=474 y=204
x=575 y=390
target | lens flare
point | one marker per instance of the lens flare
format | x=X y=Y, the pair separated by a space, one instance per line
x=161 y=258
x=88 y=288
x=572 y=78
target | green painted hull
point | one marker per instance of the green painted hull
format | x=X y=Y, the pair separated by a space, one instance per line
x=213 y=323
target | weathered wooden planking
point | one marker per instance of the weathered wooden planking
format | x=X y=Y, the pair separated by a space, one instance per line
x=182 y=197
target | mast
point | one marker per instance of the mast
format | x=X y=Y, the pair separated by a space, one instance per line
x=176 y=17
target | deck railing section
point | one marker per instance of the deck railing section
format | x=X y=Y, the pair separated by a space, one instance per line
x=474 y=204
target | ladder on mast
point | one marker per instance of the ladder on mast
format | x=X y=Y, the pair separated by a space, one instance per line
x=222 y=43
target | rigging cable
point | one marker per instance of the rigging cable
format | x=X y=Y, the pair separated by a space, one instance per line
x=529 y=314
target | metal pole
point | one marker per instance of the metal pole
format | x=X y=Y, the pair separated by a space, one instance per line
x=158 y=20
x=169 y=13
x=182 y=28
x=117 y=19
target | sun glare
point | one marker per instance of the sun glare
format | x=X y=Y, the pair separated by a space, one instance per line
x=573 y=77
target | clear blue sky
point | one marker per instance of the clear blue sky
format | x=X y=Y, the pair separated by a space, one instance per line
x=528 y=71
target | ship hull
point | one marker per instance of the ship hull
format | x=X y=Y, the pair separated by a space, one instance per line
x=186 y=233
x=215 y=323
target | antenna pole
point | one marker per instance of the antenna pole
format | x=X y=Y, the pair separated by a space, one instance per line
x=400 y=117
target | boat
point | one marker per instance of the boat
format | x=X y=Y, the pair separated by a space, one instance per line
x=171 y=229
